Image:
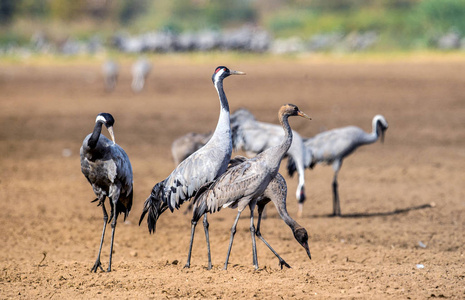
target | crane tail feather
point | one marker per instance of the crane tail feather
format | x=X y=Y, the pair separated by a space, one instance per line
x=153 y=208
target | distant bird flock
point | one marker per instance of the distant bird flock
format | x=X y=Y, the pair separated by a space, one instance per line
x=205 y=173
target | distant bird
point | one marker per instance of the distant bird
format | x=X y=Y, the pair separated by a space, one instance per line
x=332 y=146
x=107 y=168
x=203 y=166
x=140 y=70
x=187 y=144
x=110 y=72
x=243 y=184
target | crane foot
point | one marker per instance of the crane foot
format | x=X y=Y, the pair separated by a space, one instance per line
x=97 y=265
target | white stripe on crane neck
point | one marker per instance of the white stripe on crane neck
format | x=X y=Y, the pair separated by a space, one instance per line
x=218 y=75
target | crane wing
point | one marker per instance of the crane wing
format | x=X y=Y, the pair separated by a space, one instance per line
x=237 y=183
x=333 y=144
x=123 y=169
x=192 y=173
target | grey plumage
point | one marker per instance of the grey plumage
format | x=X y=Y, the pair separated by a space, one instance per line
x=110 y=70
x=244 y=183
x=108 y=169
x=140 y=71
x=277 y=193
x=203 y=166
x=187 y=144
x=253 y=137
x=332 y=146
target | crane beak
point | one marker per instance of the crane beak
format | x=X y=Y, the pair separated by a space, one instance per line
x=305 y=245
x=110 y=130
x=382 y=135
x=236 y=73
x=303 y=115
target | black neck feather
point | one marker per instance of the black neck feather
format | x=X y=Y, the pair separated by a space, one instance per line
x=93 y=140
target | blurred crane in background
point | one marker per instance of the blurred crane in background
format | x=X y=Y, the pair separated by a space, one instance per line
x=110 y=70
x=140 y=71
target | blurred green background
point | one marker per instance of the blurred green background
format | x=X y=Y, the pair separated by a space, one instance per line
x=397 y=24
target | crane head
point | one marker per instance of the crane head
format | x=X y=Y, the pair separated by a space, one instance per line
x=108 y=120
x=301 y=236
x=292 y=110
x=222 y=72
x=381 y=125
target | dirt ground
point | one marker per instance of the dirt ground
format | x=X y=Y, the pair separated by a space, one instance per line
x=402 y=230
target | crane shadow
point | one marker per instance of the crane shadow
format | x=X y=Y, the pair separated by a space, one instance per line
x=377 y=214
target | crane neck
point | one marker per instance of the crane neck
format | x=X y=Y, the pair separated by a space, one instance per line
x=275 y=154
x=287 y=141
x=93 y=140
x=374 y=135
x=223 y=127
x=223 y=100
x=279 y=200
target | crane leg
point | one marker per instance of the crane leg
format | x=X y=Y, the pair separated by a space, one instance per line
x=254 y=244
x=98 y=264
x=207 y=237
x=113 y=227
x=336 y=204
x=258 y=233
x=301 y=190
x=193 y=224
x=233 y=232
x=301 y=201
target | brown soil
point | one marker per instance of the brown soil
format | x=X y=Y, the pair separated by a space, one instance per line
x=394 y=196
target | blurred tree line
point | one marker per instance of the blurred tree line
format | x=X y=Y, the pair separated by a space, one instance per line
x=68 y=10
x=125 y=11
x=397 y=21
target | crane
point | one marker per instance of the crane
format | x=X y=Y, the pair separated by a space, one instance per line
x=140 y=70
x=332 y=146
x=110 y=72
x=242 y=185
x=108 y=169
x=203 y=166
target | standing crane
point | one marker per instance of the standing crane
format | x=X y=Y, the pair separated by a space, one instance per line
x=243 y=184
x=107 y=168
x=140 y=71
x=332 y=146
x=110 y=72
x=203 y=166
